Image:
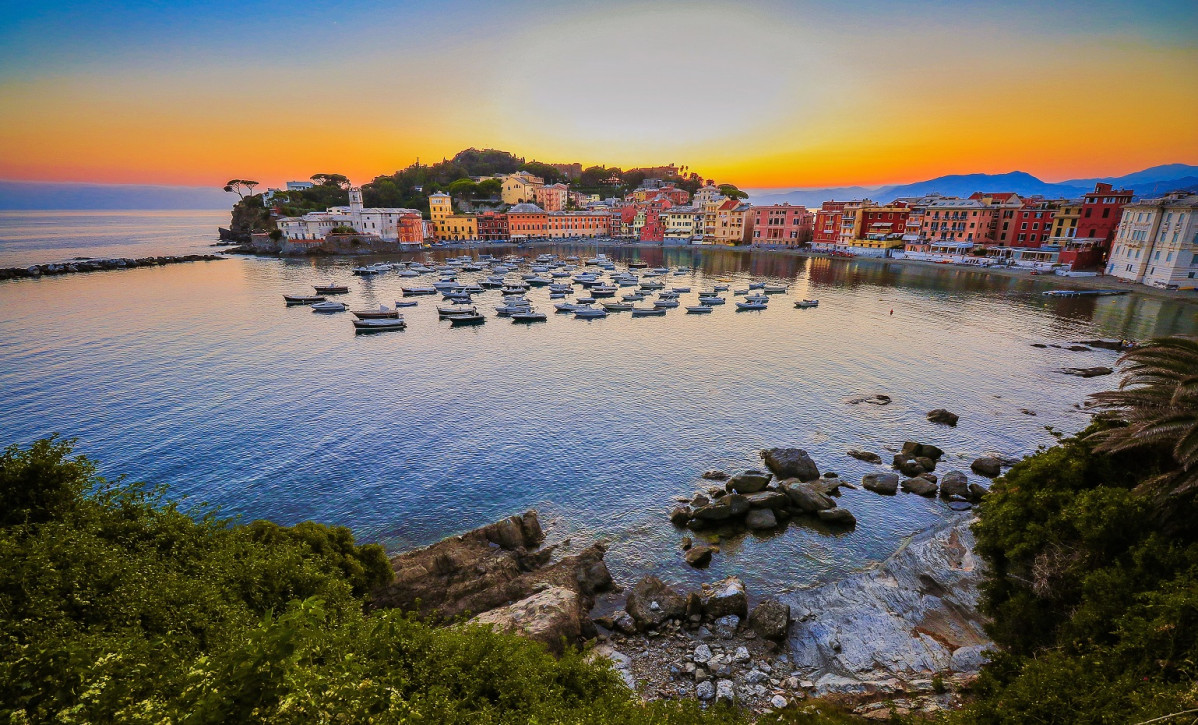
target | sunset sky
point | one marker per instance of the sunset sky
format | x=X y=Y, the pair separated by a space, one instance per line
x=761 y=94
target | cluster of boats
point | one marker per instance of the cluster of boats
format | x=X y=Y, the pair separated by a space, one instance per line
x=560 y=277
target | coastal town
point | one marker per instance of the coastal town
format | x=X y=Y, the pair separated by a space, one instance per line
x=1108 y=231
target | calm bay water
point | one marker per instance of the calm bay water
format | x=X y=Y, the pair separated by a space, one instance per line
x=198 y=376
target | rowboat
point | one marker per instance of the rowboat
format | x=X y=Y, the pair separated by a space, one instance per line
x=468 y=319
x=328 y=307
x=379 y=325
x=750 y=306
x=331 y=289
x=382 y=313
x=302 y=299
x=697 y=309
x=648 y=312
x=806 y=304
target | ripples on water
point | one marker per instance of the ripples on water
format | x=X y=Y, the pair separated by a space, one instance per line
x=198 y=376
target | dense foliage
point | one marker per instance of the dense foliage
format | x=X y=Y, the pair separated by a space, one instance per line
x=117 y=605
x=1094 y=603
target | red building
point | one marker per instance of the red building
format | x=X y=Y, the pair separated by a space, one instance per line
x=782 y=224
x=411 y=228
x=653 y=230
x=827 y=224
x=1101 y=211
x=882 y=222
x=492 y=226
x=1029 y=225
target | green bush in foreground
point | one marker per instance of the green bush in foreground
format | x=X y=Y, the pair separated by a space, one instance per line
x=116 y=605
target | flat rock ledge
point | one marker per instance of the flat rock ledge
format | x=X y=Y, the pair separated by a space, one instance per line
x=37 y=271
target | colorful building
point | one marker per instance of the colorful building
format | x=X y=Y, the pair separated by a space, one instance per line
x=683 y=225
x=1028 y=225
x=1101 y=210
x=974 y=221
x=492 y=226
x=526 y=221
x=1156 y=243
x=782 y=225
x=879 y=227
x=706 y=194
x=552 y=198
x=568 y=224
x=383 y=223
x=825 y=234
x=733 y=223
x=520 y=187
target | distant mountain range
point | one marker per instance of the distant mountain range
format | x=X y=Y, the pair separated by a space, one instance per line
x=48 y=195
x=45 y=195
x=1149 y=182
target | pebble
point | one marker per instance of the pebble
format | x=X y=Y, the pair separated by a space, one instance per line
x=778 y=702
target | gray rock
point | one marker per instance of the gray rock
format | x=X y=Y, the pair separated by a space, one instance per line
x=715 y=475
x=770 y=619
x=954 y=483
x=725 y=597
x=920 y=486
x=883 y=483
x=699 y=556
x=976 y=492
x=649 y=591
x=623 y=622
x=837 y=516
x=986 y=466
x=968 y=659
x=732 y=506
x=680 y=515
x=942 y=416
x=741 y=655
x=705 y=690
x=1087 y=372
x=805 y=496
x=909 y=466
x=865 y=456
x=790 y=463
x=777 y=702
x=755 y=677
x=748 y=482
x=726 y=626
x=725 y=691
x=767 y=500
x=761 y=519
x=702 y=654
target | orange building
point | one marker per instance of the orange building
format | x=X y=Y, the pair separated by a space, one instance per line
x=552 y=197
x=525 y=221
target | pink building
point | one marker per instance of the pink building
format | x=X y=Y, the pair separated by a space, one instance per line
x=552 y=197
x=782 y=225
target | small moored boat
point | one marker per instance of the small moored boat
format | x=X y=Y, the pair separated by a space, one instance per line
x=379 y=325
x=328 y=307
x=806 y=304
x=456 y=310
x=530 y=316
x=697 y=309
x=590 y=313
x=648 y=312
x=662 y=304
x=467 y=319
x=406 y=303
x=302 y=299
x=708 y=301
x=382 y=313
x=331 y=289
x=414 y=291
x=750 y=306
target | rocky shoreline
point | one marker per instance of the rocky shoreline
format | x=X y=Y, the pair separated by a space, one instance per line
x=905 y=631
x=77 y=266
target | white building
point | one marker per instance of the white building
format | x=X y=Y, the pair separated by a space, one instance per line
x=381 y=222
x=1157 y=243
x=706 y=194
x=291 y=186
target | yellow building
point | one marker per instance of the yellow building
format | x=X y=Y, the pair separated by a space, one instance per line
x=449 y=226
x=733 y=222
x=682 y=223
x=521 y=188
x=1064 y=223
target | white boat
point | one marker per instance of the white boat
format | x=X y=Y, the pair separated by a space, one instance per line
x=328 y=307
x=697 y=309
x=750 y=305
x=457 y=320
x=411 y=291
x=680 y=290
x=511 y=289
x=738 y=292
x=590 y=313
x=379 y=325
x=302 y=299
x=570 y=307
x=775 y=289
x=634 y=297
x=406 y=303
x=721 y=288
x=616 y=306
x=648 y=312
x=709 y=301
x=529 y=316
x=456 y=310
x=536 y=281
x=757 y=298
x=508 y=310
x=757 y=285
x=382 y=313
x=408 y=273
x=557 y=295
x=585 y=300
x=331 y=289
x=562 y=288
x=806 y=304
x=666 y=303
x=652 y=285
x=603 y=290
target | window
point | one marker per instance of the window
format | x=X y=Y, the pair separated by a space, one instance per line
x=1106 y=213
x=1088 y=212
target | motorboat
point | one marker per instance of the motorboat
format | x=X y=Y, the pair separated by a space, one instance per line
x=652 y=285
x=661 y=270
x=648 y=312
x=456 y=310
x=806 y=304
x=697 y=309
x=471 y=289
x=302 y=299
x=382 y=313
x=680 y=290
x=738 y=292
x=511 y=309
x=564 y=289
x=757 y=298
x=637 y=264
x=379 y=325
x=511 y=289
x=585 y=300
x=366 y=271
x=757 y=285
x=590 y=313
x=775 y=289
x=445 y=284
x=331 y=289
x=406 y=303
x=634 y=297
x=616 y=306
x=570 y=307
x=328 y=307
x=713 y=300
x=536 y=281
x=467 y=319
x=492 y=283
x=721 y=288
x=408 y=273
x=415 y=291
x=456 y=298
x=558 y=274
x=529 y=316
x=603 y=290
x=750 y=306
x=665 y=303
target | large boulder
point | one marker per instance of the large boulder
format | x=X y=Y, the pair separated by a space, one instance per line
x=790 y=463
x=909 y=466
x=977 y=492
x=920 y=486
x=866 y=456
x=515 y=531
x=699 y=556
x=837 y=517
x=732 y=506
x=725 y=597
x=883 y=483
x=770 y=619
x=1087 y=372
x=767 y=500
x=552 y=617
x=988 y=466
x=680 y=515
x=805 y=496
x=748 y=481
x=954 y=483
x=912 y=449
x=942 y=416
x=761 y=520
x=651 y=603
x=926 y=463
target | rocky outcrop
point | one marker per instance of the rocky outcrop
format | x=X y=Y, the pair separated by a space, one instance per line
x=806 y=497
x=725 y=597
x=942 y=416
x=988 y=466
x=651 y=603
x=1087 y=372
x=500 y=568
x=905 y=619
x=790 y=463
x=770 y=619
x=883 y=483
x=919 y=486
x=866 y=456
x=953 y=484
x=748 y=482
x=875 y=399
x=100 y=265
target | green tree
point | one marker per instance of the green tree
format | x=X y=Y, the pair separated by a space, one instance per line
x=543 y=170
x=338 y=180
x=463 y=189
x=490 y=188
x=236 y=186
x=732 y=192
